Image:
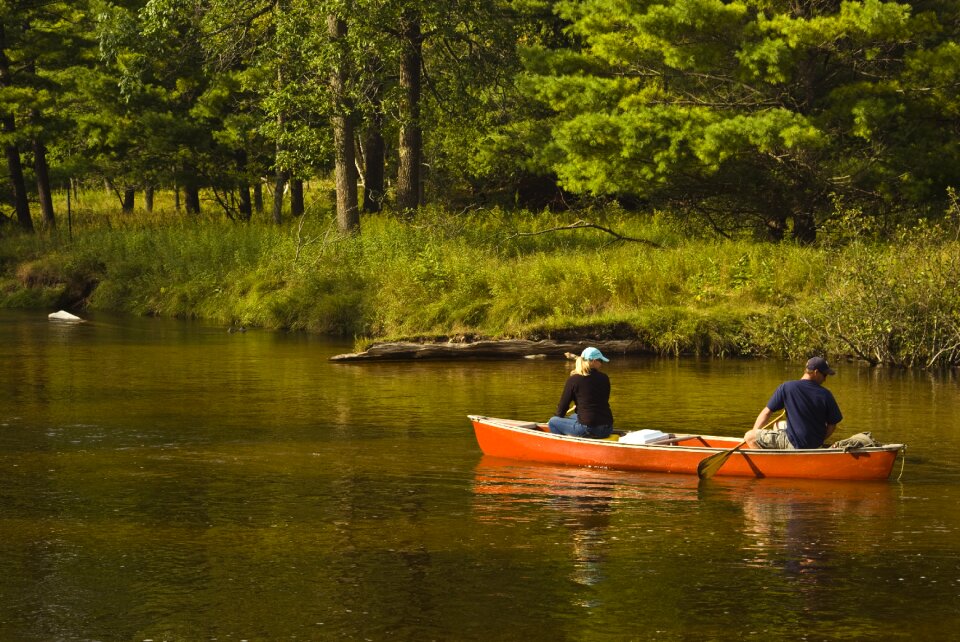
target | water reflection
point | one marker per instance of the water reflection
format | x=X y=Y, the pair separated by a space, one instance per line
x=810 y=533
x=806 y=532
x=580 y=500
x=798 y=524
x=600 y=513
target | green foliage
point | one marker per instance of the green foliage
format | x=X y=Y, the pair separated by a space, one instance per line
x=751 y=115
x=769 y=110
x=898 y=304
x=517 y=274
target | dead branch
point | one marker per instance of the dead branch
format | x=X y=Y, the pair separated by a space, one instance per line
x=580 y=225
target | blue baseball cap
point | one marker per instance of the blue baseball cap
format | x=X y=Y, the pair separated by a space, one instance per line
x=592 y=354
x=819 y=363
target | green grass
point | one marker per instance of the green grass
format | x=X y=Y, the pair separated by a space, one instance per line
x=492 y=274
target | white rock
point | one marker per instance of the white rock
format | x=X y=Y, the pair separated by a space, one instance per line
x=63 y=315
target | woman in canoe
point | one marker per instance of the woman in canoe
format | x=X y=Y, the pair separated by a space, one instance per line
x=588 y=388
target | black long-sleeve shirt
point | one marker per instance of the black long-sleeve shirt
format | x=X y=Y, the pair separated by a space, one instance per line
x=592 y=396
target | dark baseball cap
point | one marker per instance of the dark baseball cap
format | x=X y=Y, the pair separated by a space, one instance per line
x=819 y=363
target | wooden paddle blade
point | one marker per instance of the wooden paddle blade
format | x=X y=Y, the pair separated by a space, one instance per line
x=710 y=465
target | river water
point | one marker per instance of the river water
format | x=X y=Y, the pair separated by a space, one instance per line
x=168 y=480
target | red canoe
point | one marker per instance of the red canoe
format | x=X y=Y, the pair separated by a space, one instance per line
x=529 y=441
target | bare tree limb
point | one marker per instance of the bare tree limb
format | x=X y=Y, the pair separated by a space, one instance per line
x=581 y=225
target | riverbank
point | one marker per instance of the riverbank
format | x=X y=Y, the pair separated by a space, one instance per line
x=495 y=275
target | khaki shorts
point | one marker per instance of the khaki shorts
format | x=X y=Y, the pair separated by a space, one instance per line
x=775 y=439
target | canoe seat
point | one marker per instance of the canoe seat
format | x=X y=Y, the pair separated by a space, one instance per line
x=513 y=423
x=645 y=436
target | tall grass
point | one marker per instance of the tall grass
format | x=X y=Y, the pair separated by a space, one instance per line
x=500 y=274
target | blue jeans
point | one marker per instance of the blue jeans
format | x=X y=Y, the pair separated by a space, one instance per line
x=571 y=426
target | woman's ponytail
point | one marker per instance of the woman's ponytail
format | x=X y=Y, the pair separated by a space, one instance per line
x=582 y=368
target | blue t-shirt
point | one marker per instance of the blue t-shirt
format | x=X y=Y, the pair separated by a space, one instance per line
x=810 y=407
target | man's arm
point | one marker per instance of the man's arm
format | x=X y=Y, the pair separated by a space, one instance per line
x=830 y=429
x=762 y=418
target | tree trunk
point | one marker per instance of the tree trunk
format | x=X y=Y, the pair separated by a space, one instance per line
x=296 y=197
x=128 y=196
x=776 y=228
x=280 y=181
x=246 y=209
x=375 y=156
x=344 y=153
x=804 y=228
x=191 y=199
x=20 y=202
x=258 y=196
x=396 y=351
x=148 y=199
x=9 y=125
x=281 y=176
x=373 y=181
x=411 y=135
x=42 y=170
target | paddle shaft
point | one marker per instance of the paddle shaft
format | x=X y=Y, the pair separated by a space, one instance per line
x=710 y=465
x=774 y=420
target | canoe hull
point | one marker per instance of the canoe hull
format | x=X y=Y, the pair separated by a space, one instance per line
x=515 y=440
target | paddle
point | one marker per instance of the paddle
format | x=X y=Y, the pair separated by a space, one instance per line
x=710 y=465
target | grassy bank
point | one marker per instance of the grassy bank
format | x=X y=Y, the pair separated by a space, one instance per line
x=493 y=274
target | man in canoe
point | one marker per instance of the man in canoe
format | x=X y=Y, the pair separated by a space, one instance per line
x=589 y=390
x=812 y=412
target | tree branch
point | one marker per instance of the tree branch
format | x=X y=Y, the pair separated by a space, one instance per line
x=580 y=225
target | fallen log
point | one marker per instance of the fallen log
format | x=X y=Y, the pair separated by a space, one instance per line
x=486 y=349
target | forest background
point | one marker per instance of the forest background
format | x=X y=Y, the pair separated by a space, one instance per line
x=755 y=177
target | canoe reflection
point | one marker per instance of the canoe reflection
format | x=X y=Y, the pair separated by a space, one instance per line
x=803 y=530
x=518 y=481
x=805 y=527
x=580 y=500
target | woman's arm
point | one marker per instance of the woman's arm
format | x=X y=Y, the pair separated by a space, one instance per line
x=565 y=399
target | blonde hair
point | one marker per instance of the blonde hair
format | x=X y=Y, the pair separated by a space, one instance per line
x=582 y=368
